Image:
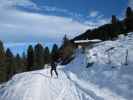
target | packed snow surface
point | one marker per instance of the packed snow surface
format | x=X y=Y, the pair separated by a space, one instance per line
x=100 y=73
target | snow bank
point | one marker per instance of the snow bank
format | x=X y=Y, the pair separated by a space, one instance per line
x=108 y=77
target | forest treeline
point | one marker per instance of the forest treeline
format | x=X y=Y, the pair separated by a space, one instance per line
x=35 y=58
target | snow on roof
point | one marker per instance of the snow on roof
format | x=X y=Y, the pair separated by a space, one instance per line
x=87 y=41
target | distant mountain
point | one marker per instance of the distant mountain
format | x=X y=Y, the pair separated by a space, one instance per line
x=111 y=30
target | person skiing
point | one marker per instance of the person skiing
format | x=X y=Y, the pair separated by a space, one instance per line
x=53 y=68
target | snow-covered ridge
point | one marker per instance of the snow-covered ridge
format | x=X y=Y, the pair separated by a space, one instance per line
x=106 y=78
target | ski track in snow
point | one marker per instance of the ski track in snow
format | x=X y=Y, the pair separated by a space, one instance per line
x=93 y=90
x=87 y=91
x=36 y=88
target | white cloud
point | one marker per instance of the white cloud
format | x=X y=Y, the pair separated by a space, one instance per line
x=98 y=22
x=131 y=3
x=26 y=24
x=49 y=8
x=14 y=3
x=62 y=11
x=19 y=26
x=93 y=14
x=96 y=19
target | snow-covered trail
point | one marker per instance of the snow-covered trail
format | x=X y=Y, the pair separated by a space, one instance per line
x=39 y=85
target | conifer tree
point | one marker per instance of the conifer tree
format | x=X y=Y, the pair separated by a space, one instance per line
x=10 y=63
x=66 y=51
x=3 y=74
x=129 y=12
x=114 y=20
x=54 y=53
x=116 y=27
x=47 y=56
x=66 y=41
x=39 y=62
x=24 y=55
x=24 y=62
x=19 y=64
x=30 y=58
x=128 y=22
x=2 y=53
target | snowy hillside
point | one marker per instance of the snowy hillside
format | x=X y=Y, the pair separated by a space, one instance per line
x=107 y=77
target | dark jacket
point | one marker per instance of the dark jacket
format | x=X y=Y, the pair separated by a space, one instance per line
x=53 y=65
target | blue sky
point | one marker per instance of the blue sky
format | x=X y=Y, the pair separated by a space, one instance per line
x=84 y=7
x=47 y=21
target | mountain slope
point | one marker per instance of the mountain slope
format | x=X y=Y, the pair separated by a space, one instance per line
x=111 y=78
x=106 y=78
